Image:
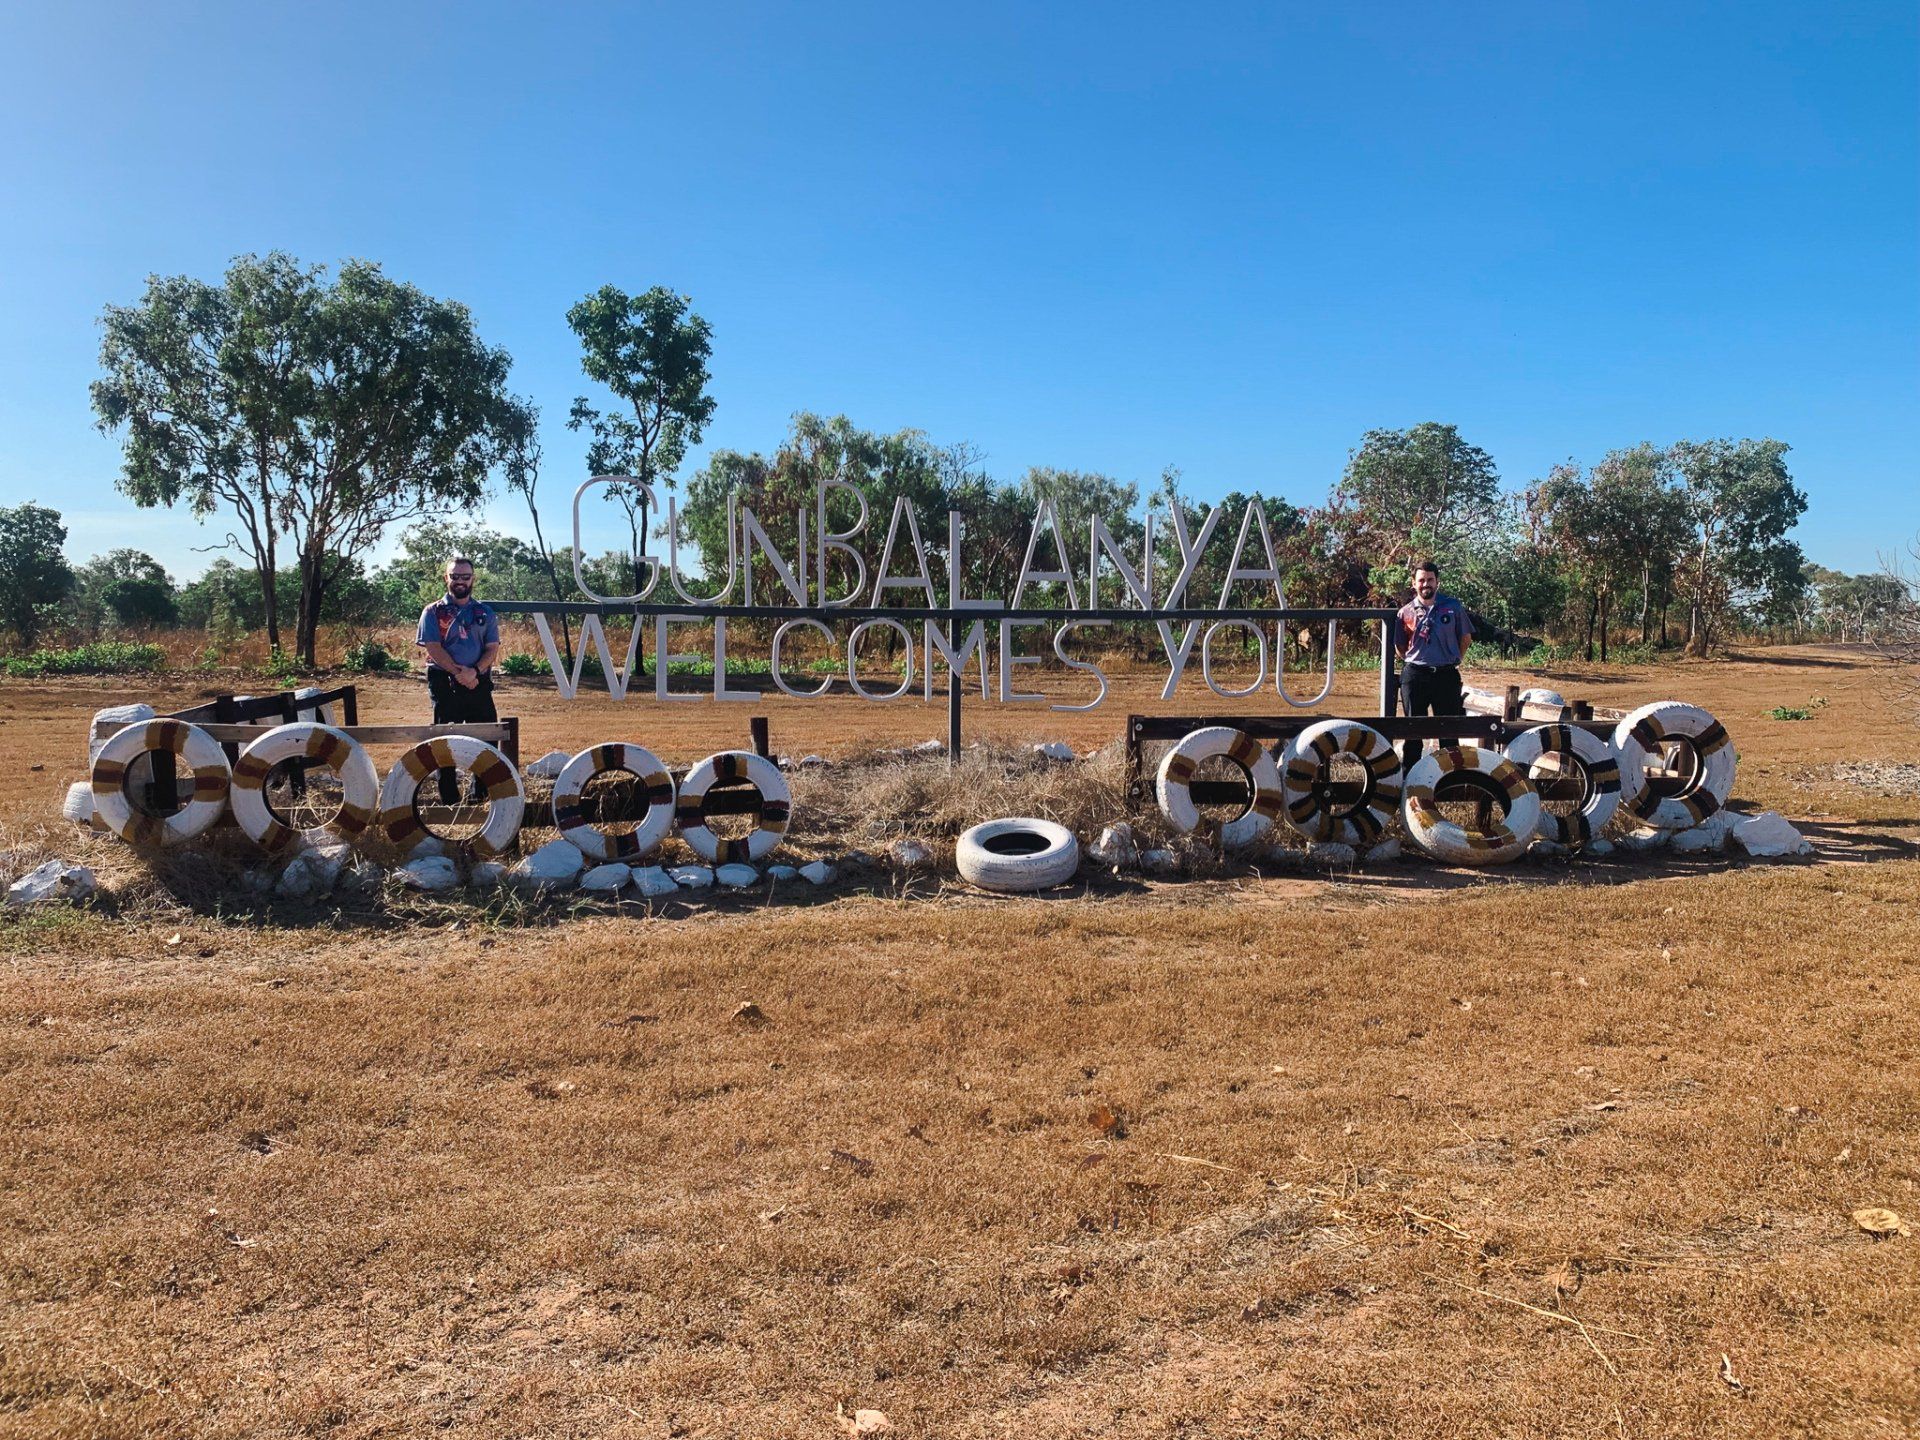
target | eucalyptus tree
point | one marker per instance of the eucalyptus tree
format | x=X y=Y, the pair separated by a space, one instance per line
x=319 y=411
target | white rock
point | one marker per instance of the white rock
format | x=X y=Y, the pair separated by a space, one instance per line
x=326 y=862
x=782 y=872
x=811 y=762
x=107 y=721
x=1540 y=695
x=554 y=864
x=819 y=873
x=691 y=877
x=653 y=882
x=608 y=878
x=78 y=805
x=432 y=873
x=1116 y=846
x=1700 y=839
x=1768 y=834
x=486 y=874
x=548 y=766
x=1331 y=852
x=55 y=880
x=258 y=881
x=1282 y=857
x=1546 y=848
x=1719 y=823
x=1645 y=839
x=909 y=854
x=1386 y=850
x=737 y=877
x=1161 y=862
x=297 y=880
x=1055 y=750
x=1599 y=847
x=428 y=845
x=929 y=747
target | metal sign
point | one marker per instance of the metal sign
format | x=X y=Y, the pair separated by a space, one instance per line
x=996 y=634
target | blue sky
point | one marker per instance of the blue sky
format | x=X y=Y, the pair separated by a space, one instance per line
x=1105 y=237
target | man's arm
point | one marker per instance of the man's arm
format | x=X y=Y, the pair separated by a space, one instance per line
x=491 y=647
x=438 y=654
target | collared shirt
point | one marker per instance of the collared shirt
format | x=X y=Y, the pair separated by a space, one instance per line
x=1435 y=634
x=465 y=629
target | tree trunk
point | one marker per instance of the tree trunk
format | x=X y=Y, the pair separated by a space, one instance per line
x=312 y=589
x=1696 y=616
x=1593 y=609
x=1606 y=612
x=1646 y=594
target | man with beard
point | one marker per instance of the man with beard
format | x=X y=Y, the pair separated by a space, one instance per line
x=461 y=637
x=1431 y=637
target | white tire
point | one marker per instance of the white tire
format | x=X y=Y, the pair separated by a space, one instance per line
x=1304 y=765
x=199 y=754
x=1540 y=695
x=1217 y=742
x=506 y=799
x=1638 y=739
x=772 y=811
x=1592 y=759
x=1503 y=840
x=654 y=782
x=324 y=747
x=1019 y=855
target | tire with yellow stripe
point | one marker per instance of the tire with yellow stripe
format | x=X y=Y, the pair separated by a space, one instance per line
x=1502 y=840
x=654 y=783
x=199 y=754
x=399 y=796
x=1589 y=757
x=1638 y=739
x=1305 y=764
x=773 y=807
x=319 y=745
x=1215 y=742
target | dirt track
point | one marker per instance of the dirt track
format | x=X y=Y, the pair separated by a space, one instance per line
x=1258 y=1156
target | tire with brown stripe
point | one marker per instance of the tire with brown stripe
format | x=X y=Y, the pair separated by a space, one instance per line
x=1700 y=743
x=1589 y=758
x=653 y=782
x=199 y=754
x=1503 y=839
x=506 y=800
x=1173 y=788
x=322 y=747
x=1306 y=765
x=773 y=807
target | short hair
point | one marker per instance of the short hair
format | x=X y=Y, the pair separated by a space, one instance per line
x=1426 y=565
x=453 y=560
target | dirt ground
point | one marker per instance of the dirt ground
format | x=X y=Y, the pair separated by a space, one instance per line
x=1426 y=1153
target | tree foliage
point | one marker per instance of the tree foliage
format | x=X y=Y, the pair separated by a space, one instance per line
x=34 y=575
x=312 y=411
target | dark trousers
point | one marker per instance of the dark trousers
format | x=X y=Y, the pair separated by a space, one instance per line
x=1428 y=690
x=454 y=704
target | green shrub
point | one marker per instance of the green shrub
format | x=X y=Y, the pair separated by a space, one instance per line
x=518 y=662
x=1798 y=712
x=370 y=655
x=103 y=657
x=282 y=666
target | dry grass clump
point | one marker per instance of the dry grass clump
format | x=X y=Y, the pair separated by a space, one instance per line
x=876 y=799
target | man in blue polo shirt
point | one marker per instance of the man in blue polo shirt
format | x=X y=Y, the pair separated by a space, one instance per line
x=461 y=637
x=1431 y=637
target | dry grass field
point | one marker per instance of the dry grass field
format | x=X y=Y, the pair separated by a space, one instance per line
x=1564 y=1150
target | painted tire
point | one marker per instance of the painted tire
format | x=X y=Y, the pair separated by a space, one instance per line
x=199 y=753
x=1176 y=775
x=649 y=774
x=328 y=748
x=1637 y=738
x=1044 y=855
x=771 y=813
x=1310 y=752
x=1599 y=770
x=1445 y=840
x=507 y=801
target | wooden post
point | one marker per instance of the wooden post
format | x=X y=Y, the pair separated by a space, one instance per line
x=1511 y=711
x=512 y=748
x=1389 y=687
x=757 y=728
x=954 y=692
